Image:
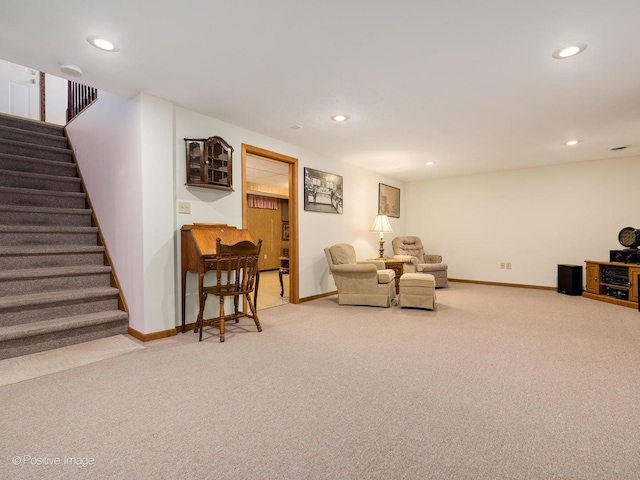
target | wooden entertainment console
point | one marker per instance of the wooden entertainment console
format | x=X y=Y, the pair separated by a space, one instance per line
x=612 y=282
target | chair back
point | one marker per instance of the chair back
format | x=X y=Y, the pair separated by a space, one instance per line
x=236 y=267
x=340 y=254
x=408 y=245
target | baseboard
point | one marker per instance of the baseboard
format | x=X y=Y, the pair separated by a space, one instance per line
x=501 y=284
x=460 y=280
x=316 y=297
x=147 y=337
x=187 y=327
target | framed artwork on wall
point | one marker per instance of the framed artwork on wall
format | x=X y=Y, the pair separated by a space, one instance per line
x=285 y=231
x=322 y=191
x=388 y=201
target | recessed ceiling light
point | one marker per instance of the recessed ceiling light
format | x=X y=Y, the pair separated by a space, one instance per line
x=102 y=44
x=569 y=51
x=340 y=118
x=296 y=127
x=429 y=164
x=70 y=69
x=572 y=142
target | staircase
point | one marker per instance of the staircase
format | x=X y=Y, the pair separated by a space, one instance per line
x=55 y=289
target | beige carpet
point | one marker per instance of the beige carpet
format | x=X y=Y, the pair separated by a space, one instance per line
x=497 y=383
x=19 y=369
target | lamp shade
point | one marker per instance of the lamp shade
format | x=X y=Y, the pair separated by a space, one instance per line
x=381 y=225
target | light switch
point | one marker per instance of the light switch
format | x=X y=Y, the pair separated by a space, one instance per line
x=184 y=207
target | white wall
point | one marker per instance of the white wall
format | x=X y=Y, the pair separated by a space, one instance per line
x=107 y=138
x=55 y=99
x=158 y=218
x=534 y=218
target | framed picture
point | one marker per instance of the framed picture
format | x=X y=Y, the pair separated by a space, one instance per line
x=322 y=191
x=285 y=231
x=388 y=201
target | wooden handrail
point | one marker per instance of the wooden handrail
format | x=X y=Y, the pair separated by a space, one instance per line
x=79 y=97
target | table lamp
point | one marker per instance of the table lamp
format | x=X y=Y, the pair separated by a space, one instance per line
x=381 y=225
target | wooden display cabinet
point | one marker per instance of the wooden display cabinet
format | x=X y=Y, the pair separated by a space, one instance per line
x=209 y=163
x=600 y=286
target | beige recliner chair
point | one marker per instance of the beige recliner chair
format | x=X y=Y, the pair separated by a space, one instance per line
x=410 y=251
x=360 y=283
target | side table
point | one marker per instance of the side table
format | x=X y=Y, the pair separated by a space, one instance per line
x=396 y=266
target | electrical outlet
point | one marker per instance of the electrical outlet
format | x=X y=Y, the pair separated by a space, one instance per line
x=184 y=207
x=502 y=266
x=265 y=256
x=508 y=265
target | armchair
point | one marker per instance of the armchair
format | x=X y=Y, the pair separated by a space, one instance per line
x=410 y=251
x=360 y=283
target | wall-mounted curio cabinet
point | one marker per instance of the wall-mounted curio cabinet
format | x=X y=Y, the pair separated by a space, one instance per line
x=209 y=163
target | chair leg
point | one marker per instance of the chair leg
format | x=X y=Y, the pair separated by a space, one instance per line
x=222 y=319
x=281 y=284
x=235 y=307
x=200 y=321
x=253 y=312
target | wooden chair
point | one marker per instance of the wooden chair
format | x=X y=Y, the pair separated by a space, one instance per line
x=236 y=269
x=284 y=268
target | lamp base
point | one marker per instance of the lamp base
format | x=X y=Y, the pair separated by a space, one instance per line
x=381 y=249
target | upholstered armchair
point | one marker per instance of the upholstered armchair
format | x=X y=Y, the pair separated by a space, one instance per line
x=410 y=251
x=360 y=283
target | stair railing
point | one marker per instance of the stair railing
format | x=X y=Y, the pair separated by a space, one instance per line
x=79 y=97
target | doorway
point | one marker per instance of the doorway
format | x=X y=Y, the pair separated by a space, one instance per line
x=274 y=176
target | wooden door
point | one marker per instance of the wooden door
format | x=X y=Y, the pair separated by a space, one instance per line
x=593 y=278
x=267 y=225
x=19 y=90
x=633 y=282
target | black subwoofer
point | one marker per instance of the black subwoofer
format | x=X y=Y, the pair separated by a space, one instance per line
x=570 y=279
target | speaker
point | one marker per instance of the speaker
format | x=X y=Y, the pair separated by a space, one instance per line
x=570 y=279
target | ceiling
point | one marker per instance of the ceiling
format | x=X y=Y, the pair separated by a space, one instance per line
x=469 y=85
x=267 y=172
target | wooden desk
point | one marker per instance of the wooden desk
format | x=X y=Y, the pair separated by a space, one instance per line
x=198 y=244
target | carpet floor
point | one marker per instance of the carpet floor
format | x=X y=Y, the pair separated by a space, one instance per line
x=496 y=383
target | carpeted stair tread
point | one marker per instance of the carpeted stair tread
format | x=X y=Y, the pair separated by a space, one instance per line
x=18 y=127
x=39 y=192
x=44 y=150
x=59 y=296
x=49 y=210
x=25 y=256
x=31 y=125
x=48 y=272
x=24 y=163
x=49 y=249
x=42 y=176
x=34 y=137
x=45 y=229
x=44 y=327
